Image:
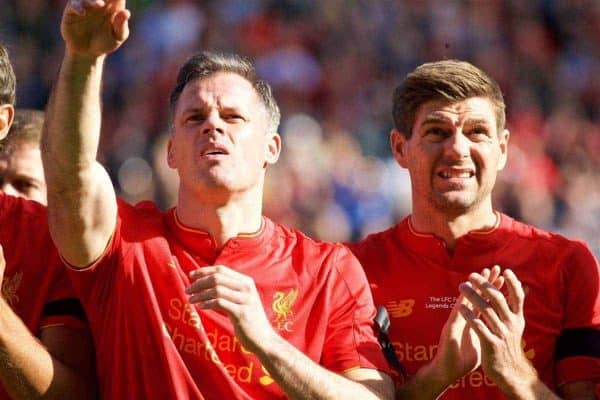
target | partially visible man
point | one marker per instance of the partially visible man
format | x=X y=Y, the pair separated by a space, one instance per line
x=37 y=300
x=21 y=170
x=210 y=299
x=450 y=134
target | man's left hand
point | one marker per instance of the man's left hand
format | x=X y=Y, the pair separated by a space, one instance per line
x=499 y=327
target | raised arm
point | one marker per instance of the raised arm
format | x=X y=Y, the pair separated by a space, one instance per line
x=81 y=200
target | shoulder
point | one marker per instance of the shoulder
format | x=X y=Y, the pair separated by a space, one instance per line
x=300 y=241
x=548 y=244
x=140 y=222
x=314 y=253
x=376 y=248
x=21 y=218
x=144 y=211
x=12 y=207
x=544 y=237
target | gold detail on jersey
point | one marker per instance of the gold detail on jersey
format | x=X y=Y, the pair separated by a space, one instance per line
x=401 y=308
x=530 y=354
x=282 y=306
x=10 y=285
x=266 y=379
x=172 y=264
x=165 y=330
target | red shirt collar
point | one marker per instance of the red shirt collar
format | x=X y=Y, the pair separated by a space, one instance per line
x=475 y=242
x=200 y=242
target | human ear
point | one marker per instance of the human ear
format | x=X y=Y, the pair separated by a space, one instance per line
x=503 y=143
x=170 y=153
x=398 y=142
x=7 y=113
x=272 y=149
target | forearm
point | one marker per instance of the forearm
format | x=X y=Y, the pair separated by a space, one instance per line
x=301 y=378
x=28 y=370
x=72 y=133
x=80 y=193
x=427 y=384
x=525 y=386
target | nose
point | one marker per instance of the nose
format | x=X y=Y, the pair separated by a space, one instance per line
x=457 y=145
x=213 y=123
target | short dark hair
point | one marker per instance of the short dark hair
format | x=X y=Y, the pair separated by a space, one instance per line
x=447 y=80
x=204 y=64
x=26 y=129
x=7 y=78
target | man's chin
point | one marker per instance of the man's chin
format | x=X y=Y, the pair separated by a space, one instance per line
x=454 y=202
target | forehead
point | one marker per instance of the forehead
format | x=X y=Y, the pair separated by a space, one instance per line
x=221 y=89
x=459 y=112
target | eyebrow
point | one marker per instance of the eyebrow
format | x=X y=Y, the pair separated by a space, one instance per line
x=477 y=121
x=434 y=119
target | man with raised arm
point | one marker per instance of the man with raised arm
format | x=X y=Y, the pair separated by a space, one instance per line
x=45 y=346
x=541 y=334
x=208 y=300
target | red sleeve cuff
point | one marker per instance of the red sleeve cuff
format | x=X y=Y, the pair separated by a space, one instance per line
x=578 y=368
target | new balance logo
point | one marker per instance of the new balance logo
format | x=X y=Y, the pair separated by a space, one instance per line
x=400 y=308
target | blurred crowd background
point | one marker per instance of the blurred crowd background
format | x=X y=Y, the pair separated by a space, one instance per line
x=333 y=65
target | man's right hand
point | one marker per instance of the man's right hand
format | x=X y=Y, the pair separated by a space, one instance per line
x=94 y=28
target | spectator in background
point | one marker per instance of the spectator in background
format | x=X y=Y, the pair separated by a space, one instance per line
x=21 y=170
x=37 y=300
x=450 y=135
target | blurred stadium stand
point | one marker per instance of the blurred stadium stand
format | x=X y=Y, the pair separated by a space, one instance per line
x=334 y=64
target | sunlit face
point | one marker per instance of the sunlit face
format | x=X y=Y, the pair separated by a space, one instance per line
x=454 y=154
x=219 y=139
x=22 y=174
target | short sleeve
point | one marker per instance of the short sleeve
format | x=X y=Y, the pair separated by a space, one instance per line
x=578 y=347
x=350 y=339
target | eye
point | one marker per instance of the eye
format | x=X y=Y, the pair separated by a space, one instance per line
x=436 y=133
x=479 y=132
x=233 y=117
x=24 y=186
x=193 y=118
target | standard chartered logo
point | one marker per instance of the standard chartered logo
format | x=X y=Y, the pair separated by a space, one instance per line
x=222 y=348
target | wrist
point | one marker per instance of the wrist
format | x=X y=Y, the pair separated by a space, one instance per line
x=83 y=59
x=265 y=344
x=434 y=379
x=521 y=383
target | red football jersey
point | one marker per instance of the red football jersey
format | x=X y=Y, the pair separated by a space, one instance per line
x=417 y=280
x=151 y=343
x=35 y=283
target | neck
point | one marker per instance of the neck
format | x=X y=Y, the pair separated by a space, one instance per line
x=450 y=227
x=222 y=218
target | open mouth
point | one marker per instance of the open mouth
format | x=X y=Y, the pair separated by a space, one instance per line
x=459 y=174
x=213 y=152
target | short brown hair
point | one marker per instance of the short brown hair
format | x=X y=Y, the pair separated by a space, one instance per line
x=7 y=78
x=447 y=80
x=206 y=63
x=26 y=129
